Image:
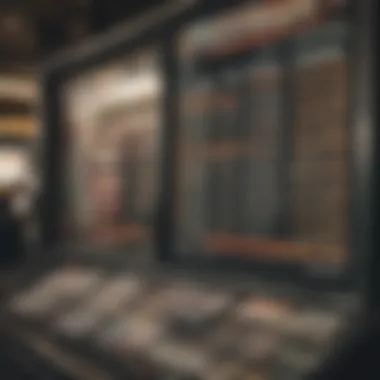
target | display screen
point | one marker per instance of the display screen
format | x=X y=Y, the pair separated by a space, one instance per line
x=184 y=326
x=263 y=171
x=181 y=358
x=52 y=292
x=133 y=332
x=112 y=122
x=112 y=298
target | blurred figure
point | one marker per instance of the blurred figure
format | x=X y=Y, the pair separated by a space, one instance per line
x=11 y=239
x=17 y=222
x=24 y=208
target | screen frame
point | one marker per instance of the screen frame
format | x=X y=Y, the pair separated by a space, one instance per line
x=362 y=156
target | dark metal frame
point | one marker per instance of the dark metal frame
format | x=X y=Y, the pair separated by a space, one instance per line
x=363 y=155
x=363 y=184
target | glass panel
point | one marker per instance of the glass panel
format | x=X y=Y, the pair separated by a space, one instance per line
x=263 y=145
x=320 y=139
x=113 y=117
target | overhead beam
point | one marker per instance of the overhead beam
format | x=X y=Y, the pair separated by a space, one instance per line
x=120 y=33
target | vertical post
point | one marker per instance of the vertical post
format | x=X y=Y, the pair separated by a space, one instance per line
x=51 y=156
x=286 y=56
x=166 y=206
x=365 y=157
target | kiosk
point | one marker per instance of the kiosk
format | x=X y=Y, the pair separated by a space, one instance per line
x=209 y=199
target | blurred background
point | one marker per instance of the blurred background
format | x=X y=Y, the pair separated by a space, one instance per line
x=262 y=150
x=30 y=31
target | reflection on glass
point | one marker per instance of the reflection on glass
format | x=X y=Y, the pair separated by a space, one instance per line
x=112 y=124
x=320 y=141
x=263 y=134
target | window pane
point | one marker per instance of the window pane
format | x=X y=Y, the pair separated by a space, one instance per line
x=320 y=137
x=113 y=118
x=263 y=145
